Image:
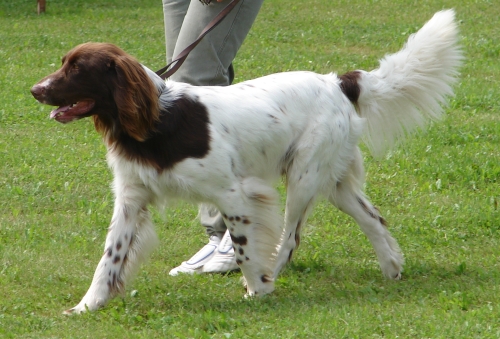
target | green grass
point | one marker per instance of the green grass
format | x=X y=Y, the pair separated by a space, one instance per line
x=439 y=190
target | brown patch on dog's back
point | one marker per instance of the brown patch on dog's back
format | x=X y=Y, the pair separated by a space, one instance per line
x=349 y=85
x=181 y=133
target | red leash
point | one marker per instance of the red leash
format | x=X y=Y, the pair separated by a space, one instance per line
x=165 y=72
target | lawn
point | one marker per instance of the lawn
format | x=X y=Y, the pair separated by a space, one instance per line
x=439 y=190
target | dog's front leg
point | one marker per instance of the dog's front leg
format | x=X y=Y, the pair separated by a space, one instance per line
x=130 y=239
x=251 y=213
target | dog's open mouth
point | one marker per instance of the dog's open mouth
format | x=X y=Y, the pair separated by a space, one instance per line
x=72 y=112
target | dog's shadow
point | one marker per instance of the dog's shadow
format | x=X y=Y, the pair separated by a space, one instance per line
x=303 y=285
x=450 y=287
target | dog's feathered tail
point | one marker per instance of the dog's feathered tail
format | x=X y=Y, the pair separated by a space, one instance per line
x=411 y=86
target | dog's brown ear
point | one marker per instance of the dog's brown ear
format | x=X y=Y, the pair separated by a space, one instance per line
x=135 y=96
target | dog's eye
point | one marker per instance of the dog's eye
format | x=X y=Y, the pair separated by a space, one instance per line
x=74 y=67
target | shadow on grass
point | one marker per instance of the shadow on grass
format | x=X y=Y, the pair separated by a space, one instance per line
x=302 y=286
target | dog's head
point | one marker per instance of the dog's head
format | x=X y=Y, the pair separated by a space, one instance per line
x=101 y=80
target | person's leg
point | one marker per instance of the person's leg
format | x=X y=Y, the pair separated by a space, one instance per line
x=174 y=12
x=218 y=254
x=209 y=63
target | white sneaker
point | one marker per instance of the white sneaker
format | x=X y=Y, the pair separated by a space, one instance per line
x=197 y=261
x=223 y=259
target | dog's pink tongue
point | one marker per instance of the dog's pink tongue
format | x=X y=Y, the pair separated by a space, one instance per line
x=54 y=113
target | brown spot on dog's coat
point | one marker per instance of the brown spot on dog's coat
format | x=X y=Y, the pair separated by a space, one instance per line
x=265 y=278
x=349 y=85
x=366 y=208
x=181 y=132
x=297 y=233
x=383 y=221
x=241 y=240
x=262 y=198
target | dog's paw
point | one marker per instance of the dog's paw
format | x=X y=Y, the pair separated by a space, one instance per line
x=398 y=276
x=259 y=289
x=75 y=310
x=244 y=282
x=392 y=268
x=249 y=295
x=86 y=306
x=72 y=311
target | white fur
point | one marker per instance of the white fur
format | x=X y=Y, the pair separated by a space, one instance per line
x=410 y=87
x=299 y=124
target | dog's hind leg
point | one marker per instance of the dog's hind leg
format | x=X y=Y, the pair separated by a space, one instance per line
x=349 y=198
x=251 y=213
x=302 y=188
x=130 y=239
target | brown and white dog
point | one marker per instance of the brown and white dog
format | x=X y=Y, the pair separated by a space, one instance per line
x=227 y=146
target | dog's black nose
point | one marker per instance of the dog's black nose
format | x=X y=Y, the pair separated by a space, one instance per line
x=38 y=91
